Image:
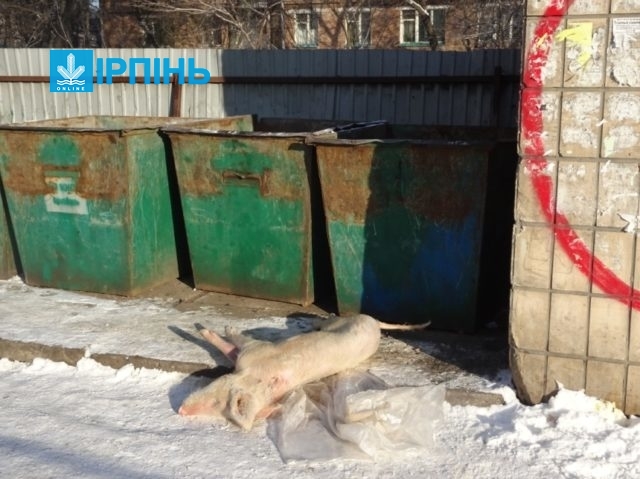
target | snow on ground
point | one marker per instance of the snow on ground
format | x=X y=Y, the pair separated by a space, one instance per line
x=92 y=421
x=95 y=422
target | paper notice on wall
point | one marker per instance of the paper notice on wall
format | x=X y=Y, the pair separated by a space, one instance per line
x=624 y=57
x=626 y=33
x=580 y=35
x=584 y=54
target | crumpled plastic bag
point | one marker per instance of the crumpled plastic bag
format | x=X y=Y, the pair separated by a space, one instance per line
x=355 y=415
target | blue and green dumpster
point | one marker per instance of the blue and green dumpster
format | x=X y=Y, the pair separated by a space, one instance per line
x=88 y=198
x=404 y=221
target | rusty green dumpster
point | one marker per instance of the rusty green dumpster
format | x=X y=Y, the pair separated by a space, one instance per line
x=404 y=220
x=88 y=198
x=247 y=211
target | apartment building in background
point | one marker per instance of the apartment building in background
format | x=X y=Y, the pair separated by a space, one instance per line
x=338 y=24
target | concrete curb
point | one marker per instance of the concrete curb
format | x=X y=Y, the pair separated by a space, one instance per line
x=28 y=351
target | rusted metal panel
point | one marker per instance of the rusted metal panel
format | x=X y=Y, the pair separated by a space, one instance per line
x=247 y=209
x=89 y=202
x=30 y=176
x=405 y=225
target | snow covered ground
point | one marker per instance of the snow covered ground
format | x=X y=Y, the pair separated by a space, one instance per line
x=92 y=421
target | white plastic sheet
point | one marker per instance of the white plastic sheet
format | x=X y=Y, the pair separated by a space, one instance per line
x=356 y=415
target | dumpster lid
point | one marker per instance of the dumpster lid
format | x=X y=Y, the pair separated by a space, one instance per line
x=370 y=129
x=194 y=130
x=439 y=143
x=123 y=123
x=373 y=129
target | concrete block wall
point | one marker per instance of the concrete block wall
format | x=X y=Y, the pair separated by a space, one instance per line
x=575 y=304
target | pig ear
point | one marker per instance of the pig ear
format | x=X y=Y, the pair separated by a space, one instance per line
x=242 y=408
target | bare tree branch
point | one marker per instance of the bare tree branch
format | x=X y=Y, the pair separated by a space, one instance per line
x=45 y=23
x=432 y=35
x=246 y=22
x=418 y=7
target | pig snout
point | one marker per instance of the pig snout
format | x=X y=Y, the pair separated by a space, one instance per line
x=188 y=410
x=209 y=401
x=200 y=405
x=204 y=408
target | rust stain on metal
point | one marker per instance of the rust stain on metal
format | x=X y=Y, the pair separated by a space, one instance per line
x=436 y=183
x=441 y=183
x=100 y=168
x=207 y=163
x=103 y=172
x=280 y=163
x=24 y=174
x=192 y=159
x=232 y=123
x=201 y=180
x=344 y=175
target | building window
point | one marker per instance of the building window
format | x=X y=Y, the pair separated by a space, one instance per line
x=415 y=30
x=358 y=28
x=306 y=29
x=499 y=26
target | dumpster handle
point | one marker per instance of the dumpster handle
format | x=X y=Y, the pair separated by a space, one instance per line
x=254 y=179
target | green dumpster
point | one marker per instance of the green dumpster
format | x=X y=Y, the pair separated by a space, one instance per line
x=89 y=201
x=404 y=220
x=248 y=203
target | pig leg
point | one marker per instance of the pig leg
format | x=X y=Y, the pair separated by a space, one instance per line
x=236 y=337
x=230 y=350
